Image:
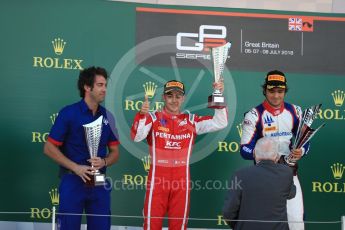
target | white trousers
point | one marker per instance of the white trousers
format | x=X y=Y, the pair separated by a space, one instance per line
x=295 y=208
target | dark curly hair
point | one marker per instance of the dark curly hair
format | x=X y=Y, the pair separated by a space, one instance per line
x=87 y=77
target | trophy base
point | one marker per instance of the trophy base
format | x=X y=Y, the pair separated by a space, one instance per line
x=290 y=161
x=97 y=179
x=216 y=102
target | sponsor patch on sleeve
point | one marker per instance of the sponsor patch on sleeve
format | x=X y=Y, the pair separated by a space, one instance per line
x=246 y=149
x=253 y=111
x=247 y=122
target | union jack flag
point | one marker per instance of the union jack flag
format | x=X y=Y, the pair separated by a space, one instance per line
x=295 y=24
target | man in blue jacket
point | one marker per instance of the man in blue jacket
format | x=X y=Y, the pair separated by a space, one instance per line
x=67 y=146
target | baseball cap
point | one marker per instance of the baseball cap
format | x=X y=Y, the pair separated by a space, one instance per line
x=174 y=85
x=274 y=79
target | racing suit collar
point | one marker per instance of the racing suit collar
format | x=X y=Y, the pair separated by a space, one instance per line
x=272 y=110
x=169 y=115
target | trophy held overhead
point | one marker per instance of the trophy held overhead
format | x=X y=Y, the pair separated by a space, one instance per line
x=219 y=56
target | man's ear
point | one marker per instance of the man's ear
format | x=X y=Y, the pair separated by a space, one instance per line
x=87 y=88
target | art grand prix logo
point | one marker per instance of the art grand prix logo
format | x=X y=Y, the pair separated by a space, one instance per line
x=336 y=185
x=337 y=112
x=58 y=46
x=208 y=36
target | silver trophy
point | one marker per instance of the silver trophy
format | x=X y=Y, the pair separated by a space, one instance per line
x=304 y=132
x=219 y=56
x=93 y=133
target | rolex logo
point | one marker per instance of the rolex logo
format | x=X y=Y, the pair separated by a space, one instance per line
x=146 y=162
x=57 y=62
x=58 y=45
x=338 y=97
x=331 y=186
x=53 y=117
x=54 y=196
x=337 y=170
x=150 y=89
x=239 y=129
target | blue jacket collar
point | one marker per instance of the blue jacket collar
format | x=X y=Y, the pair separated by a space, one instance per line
x=84 y=107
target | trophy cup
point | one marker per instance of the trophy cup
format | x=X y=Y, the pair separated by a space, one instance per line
x=219 y=56
x=93 y=133
x=304 y=132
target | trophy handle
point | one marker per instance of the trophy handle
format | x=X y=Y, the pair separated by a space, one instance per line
x=217 y=91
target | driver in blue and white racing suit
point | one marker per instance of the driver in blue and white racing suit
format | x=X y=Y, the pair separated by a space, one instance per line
x=276 y=118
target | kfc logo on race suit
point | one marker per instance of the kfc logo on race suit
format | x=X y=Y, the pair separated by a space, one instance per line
x=173 y=145
x=207 y=36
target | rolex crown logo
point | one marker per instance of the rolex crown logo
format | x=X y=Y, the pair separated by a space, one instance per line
x=150 y=89
x=337 y=170
x=239 y=129
x=53 y=117
x=338 y=97
x=54 y=196
x=146 y=162
x=58 y=45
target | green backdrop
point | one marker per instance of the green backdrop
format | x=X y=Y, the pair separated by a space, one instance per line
x=37 y=82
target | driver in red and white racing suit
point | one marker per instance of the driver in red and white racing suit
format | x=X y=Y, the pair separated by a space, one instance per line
x=170 y=135
x=276 y=118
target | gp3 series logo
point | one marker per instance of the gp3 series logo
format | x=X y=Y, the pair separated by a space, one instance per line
x=208 y=36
